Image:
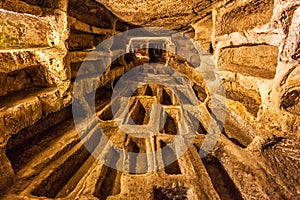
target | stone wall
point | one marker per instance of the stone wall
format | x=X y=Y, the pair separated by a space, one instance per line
x=256 y=51
x=42 y=46
x=255 y=45
x=33 y=75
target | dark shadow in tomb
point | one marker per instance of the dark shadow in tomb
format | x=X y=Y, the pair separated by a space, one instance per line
x=170 y=159
x=111 y=185
x=220 y=179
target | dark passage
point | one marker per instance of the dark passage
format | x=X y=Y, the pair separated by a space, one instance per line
x=220 y=179
x=166 y=99
x=148 y=91
x=138 y=115
x=170 y=126
x=169 y=156
x=111 y=185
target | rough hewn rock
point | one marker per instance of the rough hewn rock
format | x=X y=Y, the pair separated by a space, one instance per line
x=23 y=31
x=21 y=7
x=243 y=15
x=13 y=61
x=291 y=48
x=256 y=60
x=19 y=115
x=91 y=13
x=6 y=172
x=81 y=41
x=203 y=30
x=291 y=101
x=282 y=154
x=170 y=14
x=249 y=98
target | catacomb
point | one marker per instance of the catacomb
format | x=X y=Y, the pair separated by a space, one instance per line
x=251 y=46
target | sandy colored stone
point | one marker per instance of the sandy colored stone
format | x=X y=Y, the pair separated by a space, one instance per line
x=249 y=98
x=23 y=31
x=16 y=117
x=21 y=7
x=254 y=43
x=170 y=14
x=242 y=15
x=7 y=173
x=256 y=60
x=13 y=61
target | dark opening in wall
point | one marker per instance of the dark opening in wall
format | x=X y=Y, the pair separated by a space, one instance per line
x=156 y=55
x=118 y=63
x=122 y=26
x=291 y=102
x=139 y=91
x=107 y=114
x=43 y=4
x=221 y=180
x=148 y=91
x=166 y=99
x=115 y=82
x=130 y=58
x=211 y=48
x=200 y=92
x=106 y=90
x=138 y=114
x=170 y=126
x=169 y=156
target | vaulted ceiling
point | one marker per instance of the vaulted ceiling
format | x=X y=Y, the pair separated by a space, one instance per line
x=172 y=14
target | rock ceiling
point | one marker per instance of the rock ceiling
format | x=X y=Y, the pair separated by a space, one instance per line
x=172 y=14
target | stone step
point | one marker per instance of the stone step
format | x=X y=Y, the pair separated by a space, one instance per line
x=17 y=60
x=89 y=55
x=24 y=31
x=93 y=55
x=20 y=110
x=84 y=27
x=21 y=7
